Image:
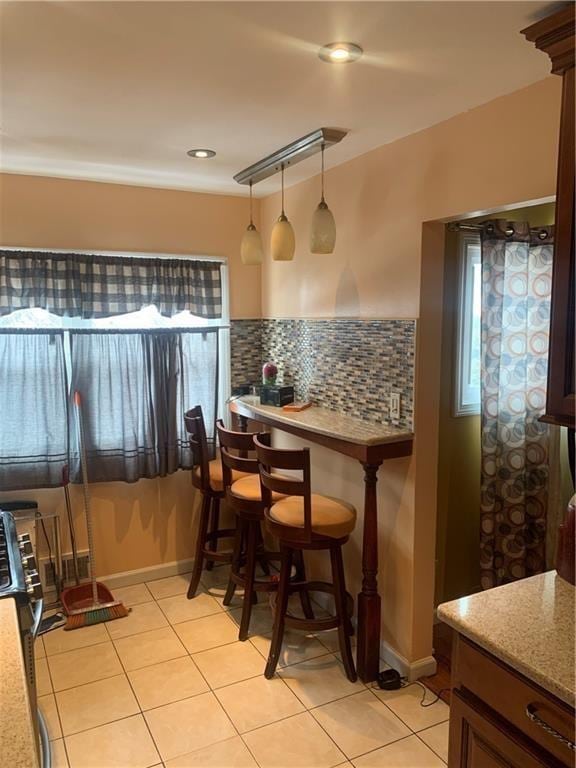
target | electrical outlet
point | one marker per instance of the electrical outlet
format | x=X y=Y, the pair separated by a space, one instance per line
x=394 y=405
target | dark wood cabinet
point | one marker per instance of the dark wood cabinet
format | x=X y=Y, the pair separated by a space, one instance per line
x=555 y=36
x=499 y=718
x=478 y=740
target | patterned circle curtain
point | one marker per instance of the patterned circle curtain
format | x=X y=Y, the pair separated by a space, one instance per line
x=516 y=287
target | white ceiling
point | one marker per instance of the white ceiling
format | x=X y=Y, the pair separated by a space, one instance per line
x=118 y=91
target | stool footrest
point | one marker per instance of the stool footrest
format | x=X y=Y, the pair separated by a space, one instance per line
x=260 y=585
x=217 y=557
x=311 y=625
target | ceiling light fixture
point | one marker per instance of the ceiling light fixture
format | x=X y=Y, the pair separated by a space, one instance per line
x=323 y=230
x=201 y=154
x=340 y=53
x=251 y=250
x=282 y=241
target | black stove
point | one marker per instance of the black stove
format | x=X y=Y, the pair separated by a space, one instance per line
x=5 y=575
x=18 y=570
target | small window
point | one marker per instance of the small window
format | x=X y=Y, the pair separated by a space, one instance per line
x=467 y=389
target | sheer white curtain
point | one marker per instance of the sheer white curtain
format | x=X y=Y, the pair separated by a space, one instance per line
x=33 y=410
x=134 y=388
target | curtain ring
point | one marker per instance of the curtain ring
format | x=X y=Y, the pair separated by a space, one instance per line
x=543 y=234
x=509 y=231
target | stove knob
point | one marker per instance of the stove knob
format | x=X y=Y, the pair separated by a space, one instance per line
x=35 y=590
x=33 y=585
x=25 y=544
x=29 y=562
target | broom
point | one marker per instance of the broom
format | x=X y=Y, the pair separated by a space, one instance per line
x=91 y=603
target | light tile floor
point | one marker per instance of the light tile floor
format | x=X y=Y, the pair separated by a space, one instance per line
x=171 y=687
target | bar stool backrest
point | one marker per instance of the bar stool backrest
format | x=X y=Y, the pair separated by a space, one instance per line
x=272 y=459
x=237 y=451
x=194 y=422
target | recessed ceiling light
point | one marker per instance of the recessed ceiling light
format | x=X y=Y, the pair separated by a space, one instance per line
x=201 y=153
x=340 y=53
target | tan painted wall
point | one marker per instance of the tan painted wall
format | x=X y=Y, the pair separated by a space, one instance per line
x=387 y=265
x=59 y=213
x=151 y=521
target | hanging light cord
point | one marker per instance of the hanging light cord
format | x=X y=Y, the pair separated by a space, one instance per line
x=322 y=175
x=283 y=214
x=251 y=221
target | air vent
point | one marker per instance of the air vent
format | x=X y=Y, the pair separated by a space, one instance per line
x=48 y=581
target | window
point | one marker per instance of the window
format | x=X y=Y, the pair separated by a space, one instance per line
x=137 y=372
x=467 y=384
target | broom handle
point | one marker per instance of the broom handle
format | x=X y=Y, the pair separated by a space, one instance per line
x=66 y=483
x=87 y=512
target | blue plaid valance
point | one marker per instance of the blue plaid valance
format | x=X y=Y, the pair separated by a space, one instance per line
x=90 y=286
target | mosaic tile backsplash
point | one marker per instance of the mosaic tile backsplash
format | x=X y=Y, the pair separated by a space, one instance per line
x=350 y=366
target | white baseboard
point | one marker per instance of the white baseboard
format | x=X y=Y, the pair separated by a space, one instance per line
x=150 y=573
x=411 y=670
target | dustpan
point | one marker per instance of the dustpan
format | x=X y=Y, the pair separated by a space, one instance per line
x=77 y=599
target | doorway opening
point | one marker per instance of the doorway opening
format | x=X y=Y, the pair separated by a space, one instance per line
x=458 y=545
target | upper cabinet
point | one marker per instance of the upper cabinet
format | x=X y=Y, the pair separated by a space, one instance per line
x=555 y=36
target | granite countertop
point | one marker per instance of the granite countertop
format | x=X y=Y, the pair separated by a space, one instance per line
x=330 y=423
x=528 y=624
x=17 y=737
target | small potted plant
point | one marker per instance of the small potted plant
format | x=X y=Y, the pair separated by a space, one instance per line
x=269 y=374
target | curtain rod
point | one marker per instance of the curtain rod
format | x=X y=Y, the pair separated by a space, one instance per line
x=128 y=254
x=8 y=330
x=456 y=226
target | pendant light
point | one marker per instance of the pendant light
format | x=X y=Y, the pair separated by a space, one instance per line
x=323 y=230
x=282 y=242
x=251 y=251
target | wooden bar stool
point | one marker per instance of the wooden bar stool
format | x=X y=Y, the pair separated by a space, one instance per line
x=302 y=520
x=207 y=478
x=243 y=495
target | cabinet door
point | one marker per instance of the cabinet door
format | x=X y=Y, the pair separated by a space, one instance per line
x=478 y=740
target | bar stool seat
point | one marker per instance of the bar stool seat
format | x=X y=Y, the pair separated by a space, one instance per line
x=248 y=487
x=330 y=517
x=215 y=474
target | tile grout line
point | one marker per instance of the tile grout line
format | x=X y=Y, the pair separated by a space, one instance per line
x=139 y=706
x=210 y=690
x=242 y=735
x=400 y=718
x=428 y=745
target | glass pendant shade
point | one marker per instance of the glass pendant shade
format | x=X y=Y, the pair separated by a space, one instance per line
x=323 y=230
x=282 y=241
x=251 y=250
